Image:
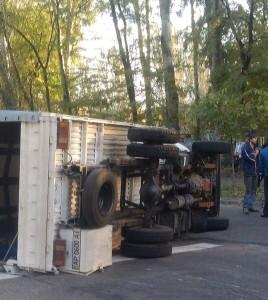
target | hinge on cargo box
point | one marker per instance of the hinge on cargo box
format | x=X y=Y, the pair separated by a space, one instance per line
x=50 y=140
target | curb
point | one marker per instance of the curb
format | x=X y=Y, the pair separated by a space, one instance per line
x=231 y=202
x=239 y=202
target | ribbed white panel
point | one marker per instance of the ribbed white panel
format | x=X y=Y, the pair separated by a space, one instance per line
x=33 y=200
x=76 y=141
x=91 y=143
x=59 y=158
x=115 y=142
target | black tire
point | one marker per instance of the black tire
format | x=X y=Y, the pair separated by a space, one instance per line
x=99 y=198
x=146 y=250
x=211 y=147
x=153 y=135
x=153 y=151
x=199 y=221
x=216 y=224
x=156 y=234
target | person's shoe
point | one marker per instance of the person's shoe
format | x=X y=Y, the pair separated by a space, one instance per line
x=253 y=210
x=245 y=211
x=264 y=215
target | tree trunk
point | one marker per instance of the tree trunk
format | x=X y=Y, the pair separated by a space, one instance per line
x=126 y=64
x=144 y=62
x=196 y=62
x=214 y=23
x=245 y=51
x=22 y=93
x=21 y=87
x=148 y=37
x=46 y=88
x=172 y=98
x=43 y=66
x=69 y=28
x=64 y=77
x=264 y=13
x=7 y=89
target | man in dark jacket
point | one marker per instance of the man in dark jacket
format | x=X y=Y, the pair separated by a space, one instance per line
x=249 y=156
x=264 y=174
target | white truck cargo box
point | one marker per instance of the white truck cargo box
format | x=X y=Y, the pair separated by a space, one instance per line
x=34 y=191
x=87 y=250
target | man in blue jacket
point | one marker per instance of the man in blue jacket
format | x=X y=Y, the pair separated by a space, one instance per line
x=264 y=174
x=249 y=156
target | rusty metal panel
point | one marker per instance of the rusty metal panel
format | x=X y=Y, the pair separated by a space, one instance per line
x=59 y=253
x=63 y=135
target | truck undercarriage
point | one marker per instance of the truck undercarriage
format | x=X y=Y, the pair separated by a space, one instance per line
x=179 y=191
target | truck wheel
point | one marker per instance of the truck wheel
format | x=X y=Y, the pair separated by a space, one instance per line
x=215 y=224
x=99 y=197
x=199 y=221
x=146 y=250
x=153 y=135
x=153 y=151
x=155 y=234
x=211 y=147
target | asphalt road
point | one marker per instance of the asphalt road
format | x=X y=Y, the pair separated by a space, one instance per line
x=237 y=269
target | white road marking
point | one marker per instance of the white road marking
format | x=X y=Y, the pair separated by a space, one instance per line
x=175 y=250
x=193 y=247
x=4 y=276
x=119 y=258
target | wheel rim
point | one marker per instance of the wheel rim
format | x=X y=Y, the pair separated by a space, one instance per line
x=105 y=202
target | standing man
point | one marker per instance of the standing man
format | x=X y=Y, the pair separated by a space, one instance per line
x=264 y=174
x=249 y=156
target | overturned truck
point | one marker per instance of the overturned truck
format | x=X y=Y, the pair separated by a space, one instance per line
x=70 y=186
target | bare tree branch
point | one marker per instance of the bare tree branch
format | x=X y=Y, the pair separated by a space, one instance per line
x=126 y=63
x=42 y=65
x=235 y=33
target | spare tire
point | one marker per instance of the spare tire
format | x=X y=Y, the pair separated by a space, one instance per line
x=99 y=197
x=146 y=250
x=211 y=147
x=153 y=135
x=215 y=224
x=153 y=151
x=155 y=234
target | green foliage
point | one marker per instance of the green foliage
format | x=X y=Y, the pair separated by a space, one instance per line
x=98 y=88
x=32 y=35
x=224 y=114
x=239 y=102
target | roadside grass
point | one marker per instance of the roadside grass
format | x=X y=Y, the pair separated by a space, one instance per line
x=232 y=187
